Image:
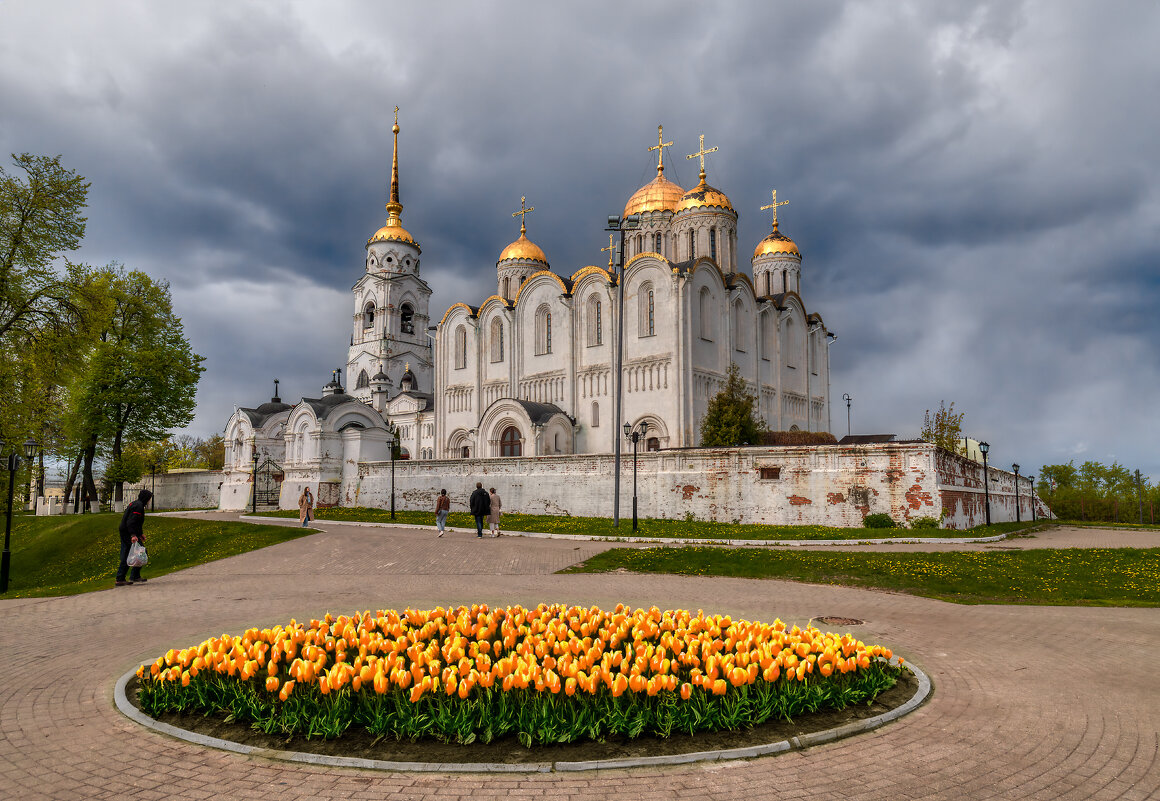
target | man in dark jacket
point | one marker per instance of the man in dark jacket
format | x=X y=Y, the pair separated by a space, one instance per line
x=130 y=529
x=480 y=504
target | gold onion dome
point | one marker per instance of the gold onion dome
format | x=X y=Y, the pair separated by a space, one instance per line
x=659 y=194
x=523 y=249
x=776 y=242
x=703 y=195
x=393 y=231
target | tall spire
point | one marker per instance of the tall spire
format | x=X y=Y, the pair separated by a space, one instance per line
x=394 y=207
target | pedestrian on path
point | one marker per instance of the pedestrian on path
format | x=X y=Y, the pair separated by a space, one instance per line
x=480 y=505
x=305 y=506
x=442 y=509
x=495 y=512
x=130 y=530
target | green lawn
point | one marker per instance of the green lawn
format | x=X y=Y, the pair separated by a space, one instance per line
x=677 y=529
x=70 y=554
x=1064 y=577
x=1097 y=524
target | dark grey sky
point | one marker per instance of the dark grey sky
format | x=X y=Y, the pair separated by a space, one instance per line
x=973 y=185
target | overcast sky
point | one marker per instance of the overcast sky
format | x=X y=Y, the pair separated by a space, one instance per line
x=973 y=185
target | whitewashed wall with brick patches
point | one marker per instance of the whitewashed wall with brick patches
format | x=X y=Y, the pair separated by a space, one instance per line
x=199 y=489
x=822 y=485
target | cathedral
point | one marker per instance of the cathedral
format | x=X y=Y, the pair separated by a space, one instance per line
x=531 y=369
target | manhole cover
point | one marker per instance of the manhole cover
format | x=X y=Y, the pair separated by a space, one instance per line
x=832 y=620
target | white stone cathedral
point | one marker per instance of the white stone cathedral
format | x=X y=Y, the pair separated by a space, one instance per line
x=530 y=370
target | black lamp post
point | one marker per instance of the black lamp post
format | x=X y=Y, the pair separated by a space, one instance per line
x=6 y=557
x=254 y=480
x=391 y=444
x=846 y=397
x=636 y=435
x=616 y=224
x=1018 y=518
x=1032 y=480
x=983 y=448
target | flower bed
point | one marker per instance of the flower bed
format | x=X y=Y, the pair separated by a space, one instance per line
x=550 y=674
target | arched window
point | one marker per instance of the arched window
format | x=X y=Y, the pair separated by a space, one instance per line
x=543 y=330
x=509 y=442
x=505 y=286
x=363 y=380
x=705 y=308
x=785 y=281
x=738 y=327
x=646 y=316
x=556 y=443
x=595 y=322
x=407 y=319
x=369 y=315
x=639 y=243
x=595 y=414
x=460 y=348
x=767 y=273
x=652 y=444
x=713 y=244
x=497 y=340
x=692 y=245
x=657 y=242
x=465 y=452
x=767 y=345
x=791 y=343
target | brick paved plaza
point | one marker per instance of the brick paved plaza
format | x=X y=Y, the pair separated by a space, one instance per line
x=1029 y=702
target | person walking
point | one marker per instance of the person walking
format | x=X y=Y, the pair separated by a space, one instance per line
x=130 y=531
x=495 y=512
x=305 y=506
x=480 y=505
x=442 y=509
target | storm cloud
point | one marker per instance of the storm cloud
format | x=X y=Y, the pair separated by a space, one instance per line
x=973 y=186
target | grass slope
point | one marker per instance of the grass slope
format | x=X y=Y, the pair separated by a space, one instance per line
x=676 y=529
x=70 y=554
x=1063 y=577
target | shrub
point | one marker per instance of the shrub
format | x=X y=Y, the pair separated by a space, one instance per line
x=879 y=520
x=924 y=522
x=798 y=438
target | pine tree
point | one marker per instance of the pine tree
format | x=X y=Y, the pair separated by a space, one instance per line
x=731 y=419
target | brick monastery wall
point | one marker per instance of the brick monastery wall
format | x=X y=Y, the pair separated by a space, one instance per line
x=823 y=485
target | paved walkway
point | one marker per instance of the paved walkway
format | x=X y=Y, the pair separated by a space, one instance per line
x=1030 y=702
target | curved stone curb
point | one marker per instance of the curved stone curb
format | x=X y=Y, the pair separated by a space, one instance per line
x=666 y=540
x=749 y=752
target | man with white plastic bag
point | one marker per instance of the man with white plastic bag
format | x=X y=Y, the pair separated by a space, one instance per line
x=130 y=530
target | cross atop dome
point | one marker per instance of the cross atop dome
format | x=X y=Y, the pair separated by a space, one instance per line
x=700 y=154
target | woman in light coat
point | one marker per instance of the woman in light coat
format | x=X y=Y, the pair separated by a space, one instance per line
x=495 y=513
x=305 y=506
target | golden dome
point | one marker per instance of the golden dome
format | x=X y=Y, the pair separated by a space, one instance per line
x=523 y=249
x=393 y=232
x=659 y=194
x=703 y=195
x=776 y=242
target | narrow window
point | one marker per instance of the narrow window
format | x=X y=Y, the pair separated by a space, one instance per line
x=407 y=319
x=595 y=322
x=692 y=245
x=505 y=287
x=548 y=333
x=657 y=245
x=369 y=316
x=652 y=324
x=784 y=281
x=497 y=340
x=706 y=305
x=767 y=282
x=460 y=348
x=713 y=244
x=595 y=414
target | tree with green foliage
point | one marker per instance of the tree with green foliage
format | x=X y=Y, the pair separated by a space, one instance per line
x=731 y=419
x=944 y=428
x=40 y=220
x=1097 y=492
x=139 y=376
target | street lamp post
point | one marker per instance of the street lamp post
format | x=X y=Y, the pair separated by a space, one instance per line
x=254 y=479
x=6 y=557
x=1018 y=517
x=983 y=448
x=616 y=224
x=153 y=485
x=1032 y=480
x=391 y=444
x=636 y=435
x=846 y=397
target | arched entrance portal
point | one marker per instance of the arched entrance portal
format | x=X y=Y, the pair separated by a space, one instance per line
x=509 y=442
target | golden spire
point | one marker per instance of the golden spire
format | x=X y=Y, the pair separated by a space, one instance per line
x=611 y=249
x=521 y=213
x=774 y=206
x=660 y=148
x=701 y=155
x=394 y=207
